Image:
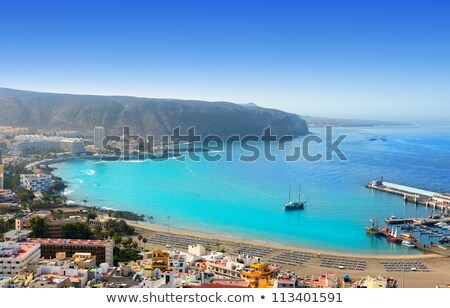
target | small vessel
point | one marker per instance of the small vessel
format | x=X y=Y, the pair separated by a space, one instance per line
x=294 y=205
x=408 y=244
x=373 y=229
x=444 y=239
x=393 y=237
x=408 y=237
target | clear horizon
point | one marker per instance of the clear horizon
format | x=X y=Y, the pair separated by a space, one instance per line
x=352 y=59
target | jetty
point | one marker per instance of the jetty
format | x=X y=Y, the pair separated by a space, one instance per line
x=414 y=195
x=416 y=221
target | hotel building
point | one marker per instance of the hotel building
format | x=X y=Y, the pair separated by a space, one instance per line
x=54 y=225
x=16 y=256
x=101 y=249
x=2 y=170
x=99 y=136
x=36 y=182
x=37 y=143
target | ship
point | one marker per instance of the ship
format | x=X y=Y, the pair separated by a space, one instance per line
x=409 y=237
x=444 y=239
x=294 y=205
x=392 y=237
x=408 y=243
x=373 y=229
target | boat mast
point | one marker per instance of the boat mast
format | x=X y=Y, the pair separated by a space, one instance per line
x=299 y=188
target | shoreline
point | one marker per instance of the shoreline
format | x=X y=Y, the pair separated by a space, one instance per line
x=235 y=241
x=146 y=226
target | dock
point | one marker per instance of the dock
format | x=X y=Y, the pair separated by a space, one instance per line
x=440 y=201
x=399 y=221
x=443 y=250
x=416 y=221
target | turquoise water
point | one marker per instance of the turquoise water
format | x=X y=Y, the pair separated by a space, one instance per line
x=245 y=199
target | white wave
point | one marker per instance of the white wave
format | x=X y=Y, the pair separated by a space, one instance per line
x=68 y=192
x=90 y=172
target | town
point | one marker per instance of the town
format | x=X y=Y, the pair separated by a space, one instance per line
x=52 y=242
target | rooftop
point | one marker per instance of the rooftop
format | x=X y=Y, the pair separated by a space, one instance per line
x=16 y=250
x=15 y=234
x=65 y=241
x=50 y=279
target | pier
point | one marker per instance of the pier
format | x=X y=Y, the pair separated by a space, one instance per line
x=416 y=221
x=415 y=195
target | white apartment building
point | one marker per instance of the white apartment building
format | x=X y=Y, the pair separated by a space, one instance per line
x=1 y=176
x=36 y=182
x=36 y=143
x=77 y=277
x=99 y=135
x=16 y=256
x=228 y=267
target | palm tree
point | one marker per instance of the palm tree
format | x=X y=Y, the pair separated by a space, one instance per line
x=145 y=241
x=140 y=239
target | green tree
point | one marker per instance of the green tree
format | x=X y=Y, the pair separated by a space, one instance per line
x=47 y=195
x=6 y=225
x=140 y=239
x=98 y=232
x=39 y=227
x=127 y=242
x=76 y=230
x=144 y=240
x=121 y=227
x=125 y=255
x=117 y=239
x=91 y=215
x=25 y=195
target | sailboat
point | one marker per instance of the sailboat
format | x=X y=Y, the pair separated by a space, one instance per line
x=393 y=237
x=373 y=229
x=294 y=205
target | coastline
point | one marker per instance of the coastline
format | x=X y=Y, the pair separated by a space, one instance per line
x=144 y=227
x=230 y=240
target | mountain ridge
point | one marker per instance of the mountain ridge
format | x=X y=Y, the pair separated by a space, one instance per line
x=145 y=116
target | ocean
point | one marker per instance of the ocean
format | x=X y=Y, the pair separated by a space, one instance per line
x=245 y=199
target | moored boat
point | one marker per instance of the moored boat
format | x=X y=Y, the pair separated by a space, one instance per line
x=408 y=237
x=393 y=237
x=444 y=239
x=373 y=229
x=408 y=243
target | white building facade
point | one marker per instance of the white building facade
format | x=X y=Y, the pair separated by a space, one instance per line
x=36 y=182
x=16 y=256
x=99 y=136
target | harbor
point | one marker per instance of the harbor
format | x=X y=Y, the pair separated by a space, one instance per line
x=430 y=234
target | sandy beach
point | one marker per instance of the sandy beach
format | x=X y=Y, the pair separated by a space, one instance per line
x=438 y=265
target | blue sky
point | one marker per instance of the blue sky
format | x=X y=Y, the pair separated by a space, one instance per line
x=366 y=59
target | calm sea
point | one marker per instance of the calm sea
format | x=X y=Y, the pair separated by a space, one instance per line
x=245 y=199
